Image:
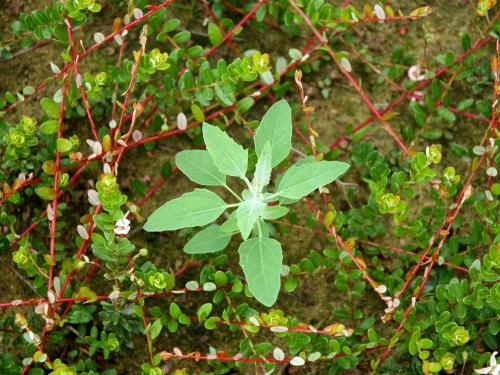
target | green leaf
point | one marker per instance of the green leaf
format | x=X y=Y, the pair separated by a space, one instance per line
x=155 y=329
x=464 y=104
x=208 y=240
x=204 y=311
x=64 y=145
x=446 y=114
x=181 y=37
x=214 y=34
x=49 y=127
x=275 y=128
x=50 y=107
x=199 y=167
x=298 y=181
x=274 y=212
x=228 y=156
x=193 y=209
x=244 y=105
x=263 y=169
x=46 y=193
x=247 y=214
x=261 y=260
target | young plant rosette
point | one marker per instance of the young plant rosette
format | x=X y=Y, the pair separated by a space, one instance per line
x=261 y=257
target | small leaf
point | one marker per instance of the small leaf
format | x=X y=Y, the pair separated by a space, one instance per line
x=197 y=113
x=421 y=12
x=214 y=34
x=261 y=260
x=244 y=105
x=50 y=107
x=196 y=208
x=64 y=145
x=298 y=181
x=274 y=212
x=208 y=240
x=204 y=311
x=199 y=167
x=229 y=157
x=155 y=329
x=275 y=128
x=49 y=127
x=247 y=215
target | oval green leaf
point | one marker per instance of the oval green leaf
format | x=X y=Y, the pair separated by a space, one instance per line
x=275 y=128
x=298 y=181
x=261 y=260
x=208 y=240
x=199 y=167
x=229 y=157
x=197 y=208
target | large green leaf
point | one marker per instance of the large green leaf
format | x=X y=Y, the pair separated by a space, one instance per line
x=199 y=167
x=300 y=180
x=229 y=157
x=261 y=260
x=208 y=240
x=263 y=169
x=247 y=214
x=275 y=128
x=197 y=208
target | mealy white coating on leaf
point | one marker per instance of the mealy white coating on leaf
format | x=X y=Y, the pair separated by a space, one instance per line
x=261 y=260
x=298 y=181
x=199 y=167
x=247 y=214
x=208 y=240
x=228 y=156
x=275 y=128
x=263 y=169
x=196 y=208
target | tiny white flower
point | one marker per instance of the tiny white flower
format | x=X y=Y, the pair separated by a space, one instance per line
x=414 y=73
x=118 y=39
x=122 y=226
x=106 y=168
x=137 y=135
x=51 y=296
x=379 y=11
x=297 y=361
x=381 y=288
x=253 y=320
x=137 y=13
x=493 y=369
x=82 y=232
x=278 y=354
x=50 y=212
x=278 y=329
x=115 y=294
x=181 y=121
x=78 y=80
x=346 y=64
x=97 y=148
x=99 y=37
